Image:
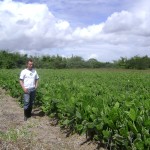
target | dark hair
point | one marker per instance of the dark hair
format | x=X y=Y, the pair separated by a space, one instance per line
x=29 y=60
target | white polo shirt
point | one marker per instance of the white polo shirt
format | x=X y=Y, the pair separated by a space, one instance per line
x=29 y=77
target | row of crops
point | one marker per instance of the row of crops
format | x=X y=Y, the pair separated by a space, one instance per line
x=110 y=106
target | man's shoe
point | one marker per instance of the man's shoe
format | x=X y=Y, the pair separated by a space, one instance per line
x=25 y=118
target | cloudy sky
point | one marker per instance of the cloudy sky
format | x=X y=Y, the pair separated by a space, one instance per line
x=102 y=29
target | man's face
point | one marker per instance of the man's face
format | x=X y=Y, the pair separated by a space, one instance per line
x=30 y=65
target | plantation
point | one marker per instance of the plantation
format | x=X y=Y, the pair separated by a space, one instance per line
x=110 y=106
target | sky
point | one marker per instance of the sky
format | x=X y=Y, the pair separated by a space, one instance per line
x=102 y=29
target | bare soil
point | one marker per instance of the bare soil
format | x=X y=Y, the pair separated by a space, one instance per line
x=37 y=133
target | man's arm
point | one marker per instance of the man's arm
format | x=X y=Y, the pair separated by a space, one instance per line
x=22 y=85
x=36 y=83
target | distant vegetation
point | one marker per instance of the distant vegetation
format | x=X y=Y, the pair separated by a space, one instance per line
x=16 y=60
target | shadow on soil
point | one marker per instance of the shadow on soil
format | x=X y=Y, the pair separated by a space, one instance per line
x=38 y=112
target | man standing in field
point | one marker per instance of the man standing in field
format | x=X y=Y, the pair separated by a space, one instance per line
x=29 y=82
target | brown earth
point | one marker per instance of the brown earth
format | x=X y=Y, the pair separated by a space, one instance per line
x=37 y=133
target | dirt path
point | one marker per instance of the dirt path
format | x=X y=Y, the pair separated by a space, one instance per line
x=36 y=133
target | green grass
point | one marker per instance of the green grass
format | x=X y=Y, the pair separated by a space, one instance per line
x=14 y=134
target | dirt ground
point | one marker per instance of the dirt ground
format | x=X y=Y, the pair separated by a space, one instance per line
x=37 y=133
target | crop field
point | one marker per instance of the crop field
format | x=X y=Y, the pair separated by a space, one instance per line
x=110 y=106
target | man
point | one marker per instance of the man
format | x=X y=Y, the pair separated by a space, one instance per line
x=29 y=82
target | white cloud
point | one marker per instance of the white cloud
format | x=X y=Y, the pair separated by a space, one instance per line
x=31 y=27
x=62 y=25
x=95 y=56
x=90 y=32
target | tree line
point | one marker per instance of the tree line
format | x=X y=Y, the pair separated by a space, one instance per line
x=10 y=60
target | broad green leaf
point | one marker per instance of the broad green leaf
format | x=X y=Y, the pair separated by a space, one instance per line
x=90 y=125
x=139 y=144
x=95 y=110
x=93 y=117
x=99 y=126
x=132 y=114
x=46 y=98
x=66 y=122
x=132 y=127
x=113 y=115
x=124 y=132
x=88 y=108
x=79 y=127
x=147 y=123
x=111 y=124
x=78 y=115
x=147 y=141
x=106 y=133
x=117 y=105
x=129 y=103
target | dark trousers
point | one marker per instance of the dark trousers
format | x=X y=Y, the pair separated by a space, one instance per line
x=28 y=102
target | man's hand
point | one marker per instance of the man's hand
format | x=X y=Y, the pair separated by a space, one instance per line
x=22 y=85
x=25 y=90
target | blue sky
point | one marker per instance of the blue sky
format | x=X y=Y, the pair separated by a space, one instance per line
x=83 y=12
x=101 y=29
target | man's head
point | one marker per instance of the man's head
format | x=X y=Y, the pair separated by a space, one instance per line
x=30 y=64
